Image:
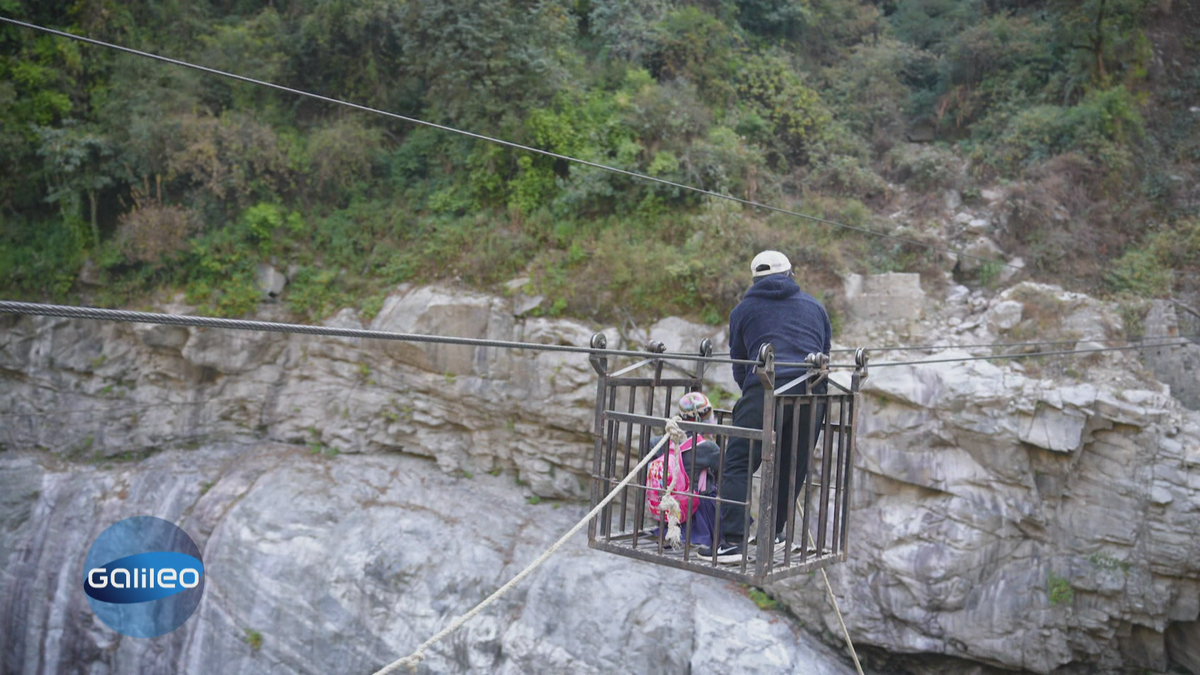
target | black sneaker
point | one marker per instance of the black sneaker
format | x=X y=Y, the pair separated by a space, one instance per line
x=727 y=553
x=781 y=544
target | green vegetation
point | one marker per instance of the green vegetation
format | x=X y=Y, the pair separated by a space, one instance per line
x=253 y=638
x=316 y=447
x=1059 y=590
x=1103 y=561
x=761 y=599
x=162 y=180
x=1150 y=269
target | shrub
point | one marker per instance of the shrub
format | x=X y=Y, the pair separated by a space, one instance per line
x=219 y=266
x=40 y=261
x=253 y=638
x=341 y=154
x=1059 y=590
x=998 y=64
x=1140 y=272
x=234 y=158
x=773 y=90
x=722 y=163
x=695 y=45
x=924 y=167
x=870 y=90
x=1149 y=270
x=1101 y=126
x=627 y=28
x=155 y=234
x=929 y=24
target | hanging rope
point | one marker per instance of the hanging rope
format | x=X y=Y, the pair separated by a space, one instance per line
x=838 y=611
x=414 y=659
x=669 y=505
x=845 y=631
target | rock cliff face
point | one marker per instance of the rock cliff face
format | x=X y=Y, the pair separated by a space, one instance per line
x=340 y=565
x=1027 y=515
x=1034 y=517
x=321 y=558
x=90 y=390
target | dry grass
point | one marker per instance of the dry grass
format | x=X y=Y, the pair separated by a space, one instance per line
x=1062 y=219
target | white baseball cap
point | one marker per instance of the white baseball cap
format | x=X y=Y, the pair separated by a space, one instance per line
x=769 y=262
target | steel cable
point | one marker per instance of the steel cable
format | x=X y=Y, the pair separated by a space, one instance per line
x=1037 y=343
x=996 y=357
x=126 y=316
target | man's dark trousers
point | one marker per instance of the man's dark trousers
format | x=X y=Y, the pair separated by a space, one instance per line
x=742 y=459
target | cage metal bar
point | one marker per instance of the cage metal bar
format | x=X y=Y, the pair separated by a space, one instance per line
x=838 y=511
x=809 y=441
x=826 y=467
x=610 y=460
x=627 y=458
x=599 y=485
x=790 y=529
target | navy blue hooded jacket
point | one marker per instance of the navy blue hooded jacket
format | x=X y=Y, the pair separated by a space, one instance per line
x=775 y=310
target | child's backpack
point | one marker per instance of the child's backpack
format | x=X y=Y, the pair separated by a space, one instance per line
x=679 y=483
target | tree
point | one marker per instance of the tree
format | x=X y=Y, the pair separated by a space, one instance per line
x=1106 y=33
x=77 y=161
x=773 y=18
x=627 y=27
x=929 y=24
x=698 y=47
x=352 y=49
x=483 y=60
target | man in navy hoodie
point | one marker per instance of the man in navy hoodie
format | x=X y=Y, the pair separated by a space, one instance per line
x=774 y=310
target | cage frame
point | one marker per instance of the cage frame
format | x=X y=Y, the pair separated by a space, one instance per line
x=833 y=458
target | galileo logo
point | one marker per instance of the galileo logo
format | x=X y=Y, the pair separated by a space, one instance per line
x=143 y=577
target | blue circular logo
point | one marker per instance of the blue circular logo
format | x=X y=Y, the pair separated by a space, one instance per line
x=143 y=577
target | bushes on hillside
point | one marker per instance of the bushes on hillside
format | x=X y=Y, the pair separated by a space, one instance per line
x=1101 y=126
x=1149 y=270
x=799 y=104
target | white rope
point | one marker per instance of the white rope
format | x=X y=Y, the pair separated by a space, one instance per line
x=845 y=631
x=669 y=506
x=414 y=659
x=837 y=610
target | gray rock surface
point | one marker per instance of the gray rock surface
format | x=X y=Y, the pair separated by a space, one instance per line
x=344 y=564
x=1005 y=315
x=132 y=388
x=269 y=280
x=1177 y=365
x=981 y=251
x=1020 y=522
x=889 y=297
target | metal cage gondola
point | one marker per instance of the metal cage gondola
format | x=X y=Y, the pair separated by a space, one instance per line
x=634 y=403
